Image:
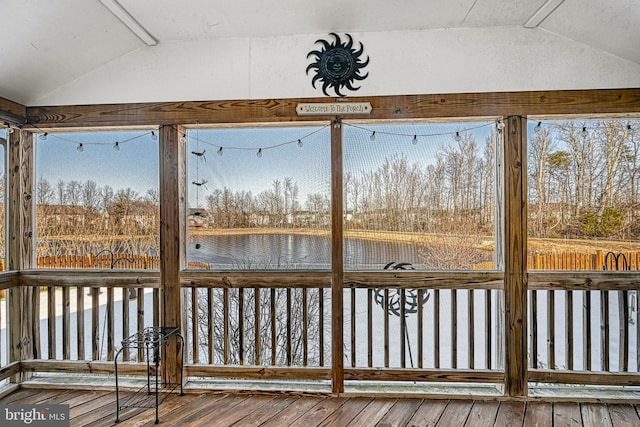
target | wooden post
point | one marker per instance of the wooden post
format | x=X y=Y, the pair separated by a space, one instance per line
x=515 y=238
x=172 y=241
x=23 y=328
x=337 y=261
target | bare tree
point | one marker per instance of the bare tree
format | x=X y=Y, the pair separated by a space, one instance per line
x=91 y=196
x=44 y=192
x=539 y=149
x=611 y=137
x=73 y=193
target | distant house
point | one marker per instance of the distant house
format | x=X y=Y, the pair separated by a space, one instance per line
x=259 y=219
x=198 y=217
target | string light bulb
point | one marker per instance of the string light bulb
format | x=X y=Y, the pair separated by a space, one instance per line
x=500 y=126
x=153 y=135
x=584 y=132
x=538 y=127
x=116 y=146
x=259 y=153
x=457 y=137
x=373 y=136
x=43 y=136
x=300 y=144
x=9 y=130
x=415 y=139
x=219 y=152
x=80 y=148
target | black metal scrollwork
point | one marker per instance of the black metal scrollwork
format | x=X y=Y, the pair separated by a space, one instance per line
x=411 y=296
x=337 y=65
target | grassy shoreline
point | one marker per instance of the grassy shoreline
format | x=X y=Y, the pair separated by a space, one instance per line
x=486 y=242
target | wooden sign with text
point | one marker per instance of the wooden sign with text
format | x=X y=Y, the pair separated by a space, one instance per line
x=333 y=108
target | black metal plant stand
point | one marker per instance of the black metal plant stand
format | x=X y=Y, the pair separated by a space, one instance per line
x=151 y=339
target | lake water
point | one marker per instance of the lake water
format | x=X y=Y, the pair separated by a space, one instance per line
x=288 y=251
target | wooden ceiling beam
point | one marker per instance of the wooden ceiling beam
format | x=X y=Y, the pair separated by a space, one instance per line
x=401 y=107
x=12 y=112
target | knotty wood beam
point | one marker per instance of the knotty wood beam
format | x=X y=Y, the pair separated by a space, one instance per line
x=20 y=244
x=515 y=268
x=337 y=261
x=599 y=101
x=172 y=241
x=12 y=112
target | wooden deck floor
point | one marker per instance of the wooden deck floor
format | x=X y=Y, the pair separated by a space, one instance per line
x=97 y=408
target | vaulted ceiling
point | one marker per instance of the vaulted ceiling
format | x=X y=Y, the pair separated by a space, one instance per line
x=49 y=49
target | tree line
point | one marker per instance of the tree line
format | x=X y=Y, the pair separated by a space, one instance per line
x=77 y=218
x=584 y=178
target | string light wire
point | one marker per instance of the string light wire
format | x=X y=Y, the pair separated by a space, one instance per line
x=413 y=137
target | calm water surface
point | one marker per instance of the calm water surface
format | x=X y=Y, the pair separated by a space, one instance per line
x=288 y=251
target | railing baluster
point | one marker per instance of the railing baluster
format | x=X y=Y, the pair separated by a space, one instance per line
x=257 y=326
x=35 y=316
x=386 y=328
x=403 y=330
x=140 y=320
x=79 y=319
x=305 y=321
x=489 y=331
x=194 y=325
x=454 y=328
x=551 y=355
x=225 y=320
x=471 y=330
x=211 y=318
x=637 y=330
x=125 y=321
x=95 y=323
x=604 y=328
x=436 y=328
x=353 y=327
x=569 y=323
x=110 y=324
x=66 y=324
x=586 y=333
x=51 y=321
x=369 y=327
x=241 y=326
x=321 y=324
x=273 y=327
x=534 y=329
x=419 y=329
x=156 y=307
x=289 y=355
x=623 y=345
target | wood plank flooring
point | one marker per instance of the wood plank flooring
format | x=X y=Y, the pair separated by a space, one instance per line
x=97 y=408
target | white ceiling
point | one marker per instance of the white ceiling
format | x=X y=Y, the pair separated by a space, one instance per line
x=46 y=46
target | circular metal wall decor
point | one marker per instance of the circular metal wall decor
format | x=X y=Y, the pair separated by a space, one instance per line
x=337 y=65
x=411 y=296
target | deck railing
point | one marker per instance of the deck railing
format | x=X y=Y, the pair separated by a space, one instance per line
x=78 y=318
x=583 y=328
x=397 y=326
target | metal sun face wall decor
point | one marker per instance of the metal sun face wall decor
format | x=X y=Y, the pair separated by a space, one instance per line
x=337 y=65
